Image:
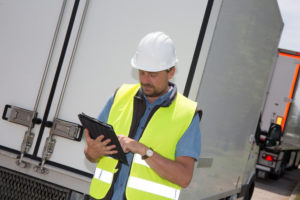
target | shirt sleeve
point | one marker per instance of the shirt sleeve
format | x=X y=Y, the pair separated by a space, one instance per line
x=190 y=143
x=103 y=115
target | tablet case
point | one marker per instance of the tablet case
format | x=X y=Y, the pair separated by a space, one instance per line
x=96 y=128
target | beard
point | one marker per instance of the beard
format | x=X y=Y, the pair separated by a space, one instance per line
x=150 y=91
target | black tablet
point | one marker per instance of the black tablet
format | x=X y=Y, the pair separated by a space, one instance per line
x=97 y=128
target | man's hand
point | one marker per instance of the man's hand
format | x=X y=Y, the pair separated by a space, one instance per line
x=131 y=145
x=98 y=147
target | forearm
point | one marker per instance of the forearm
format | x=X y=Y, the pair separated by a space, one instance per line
x=179 y=171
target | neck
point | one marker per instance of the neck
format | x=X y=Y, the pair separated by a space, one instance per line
x=151 y=99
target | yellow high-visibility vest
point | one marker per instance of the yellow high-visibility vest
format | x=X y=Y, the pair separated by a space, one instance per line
x=162 y=134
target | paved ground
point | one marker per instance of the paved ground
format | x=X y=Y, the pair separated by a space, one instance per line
x=281 y=189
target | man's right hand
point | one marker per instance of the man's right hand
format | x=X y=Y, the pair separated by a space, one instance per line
x=98 y=147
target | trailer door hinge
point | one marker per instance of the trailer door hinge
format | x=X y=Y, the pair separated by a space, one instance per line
x=47 y=152
x=49 y=147
x=66 y=129
x=27 y=141
x=20 y=116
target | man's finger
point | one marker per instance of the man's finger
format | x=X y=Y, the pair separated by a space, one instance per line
x=120 y=137
x=106 y=142
x=111 y=152
x=123 y=146
x=87 y=134
x=100 y=138
x=110 y=147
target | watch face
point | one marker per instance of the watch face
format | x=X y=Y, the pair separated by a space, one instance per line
x=149 y=152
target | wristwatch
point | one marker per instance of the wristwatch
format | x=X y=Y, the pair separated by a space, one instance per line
x=149 y=153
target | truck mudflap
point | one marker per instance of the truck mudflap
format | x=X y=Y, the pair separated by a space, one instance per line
x=15 y=185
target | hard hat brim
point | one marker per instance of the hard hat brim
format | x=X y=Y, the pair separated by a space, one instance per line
x=152 y=68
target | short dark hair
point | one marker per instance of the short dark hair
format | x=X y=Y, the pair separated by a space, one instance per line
x=168 y=70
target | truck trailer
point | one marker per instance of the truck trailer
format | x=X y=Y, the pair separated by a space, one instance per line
x=59 y=58
x=280 y=121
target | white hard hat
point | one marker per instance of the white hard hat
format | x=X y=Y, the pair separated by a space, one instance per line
x=155 y=52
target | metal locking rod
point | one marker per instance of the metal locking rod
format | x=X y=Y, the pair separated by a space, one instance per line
x=71 y=59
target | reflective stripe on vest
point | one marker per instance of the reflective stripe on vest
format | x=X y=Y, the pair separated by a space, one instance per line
x=103 y=175
x=149 y=186
x=152 y=187
x=138 y=159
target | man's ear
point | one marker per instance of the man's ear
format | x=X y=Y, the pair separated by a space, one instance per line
x=171 y=73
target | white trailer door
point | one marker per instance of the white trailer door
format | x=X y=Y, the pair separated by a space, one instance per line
x=37 y=38
x=27 y=37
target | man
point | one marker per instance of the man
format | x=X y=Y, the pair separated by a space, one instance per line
x=157 y=127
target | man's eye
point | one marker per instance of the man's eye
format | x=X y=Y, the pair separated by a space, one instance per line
x=153 y=75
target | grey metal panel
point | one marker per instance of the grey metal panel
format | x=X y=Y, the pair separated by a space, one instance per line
x=205 y=49
x=231 y=92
